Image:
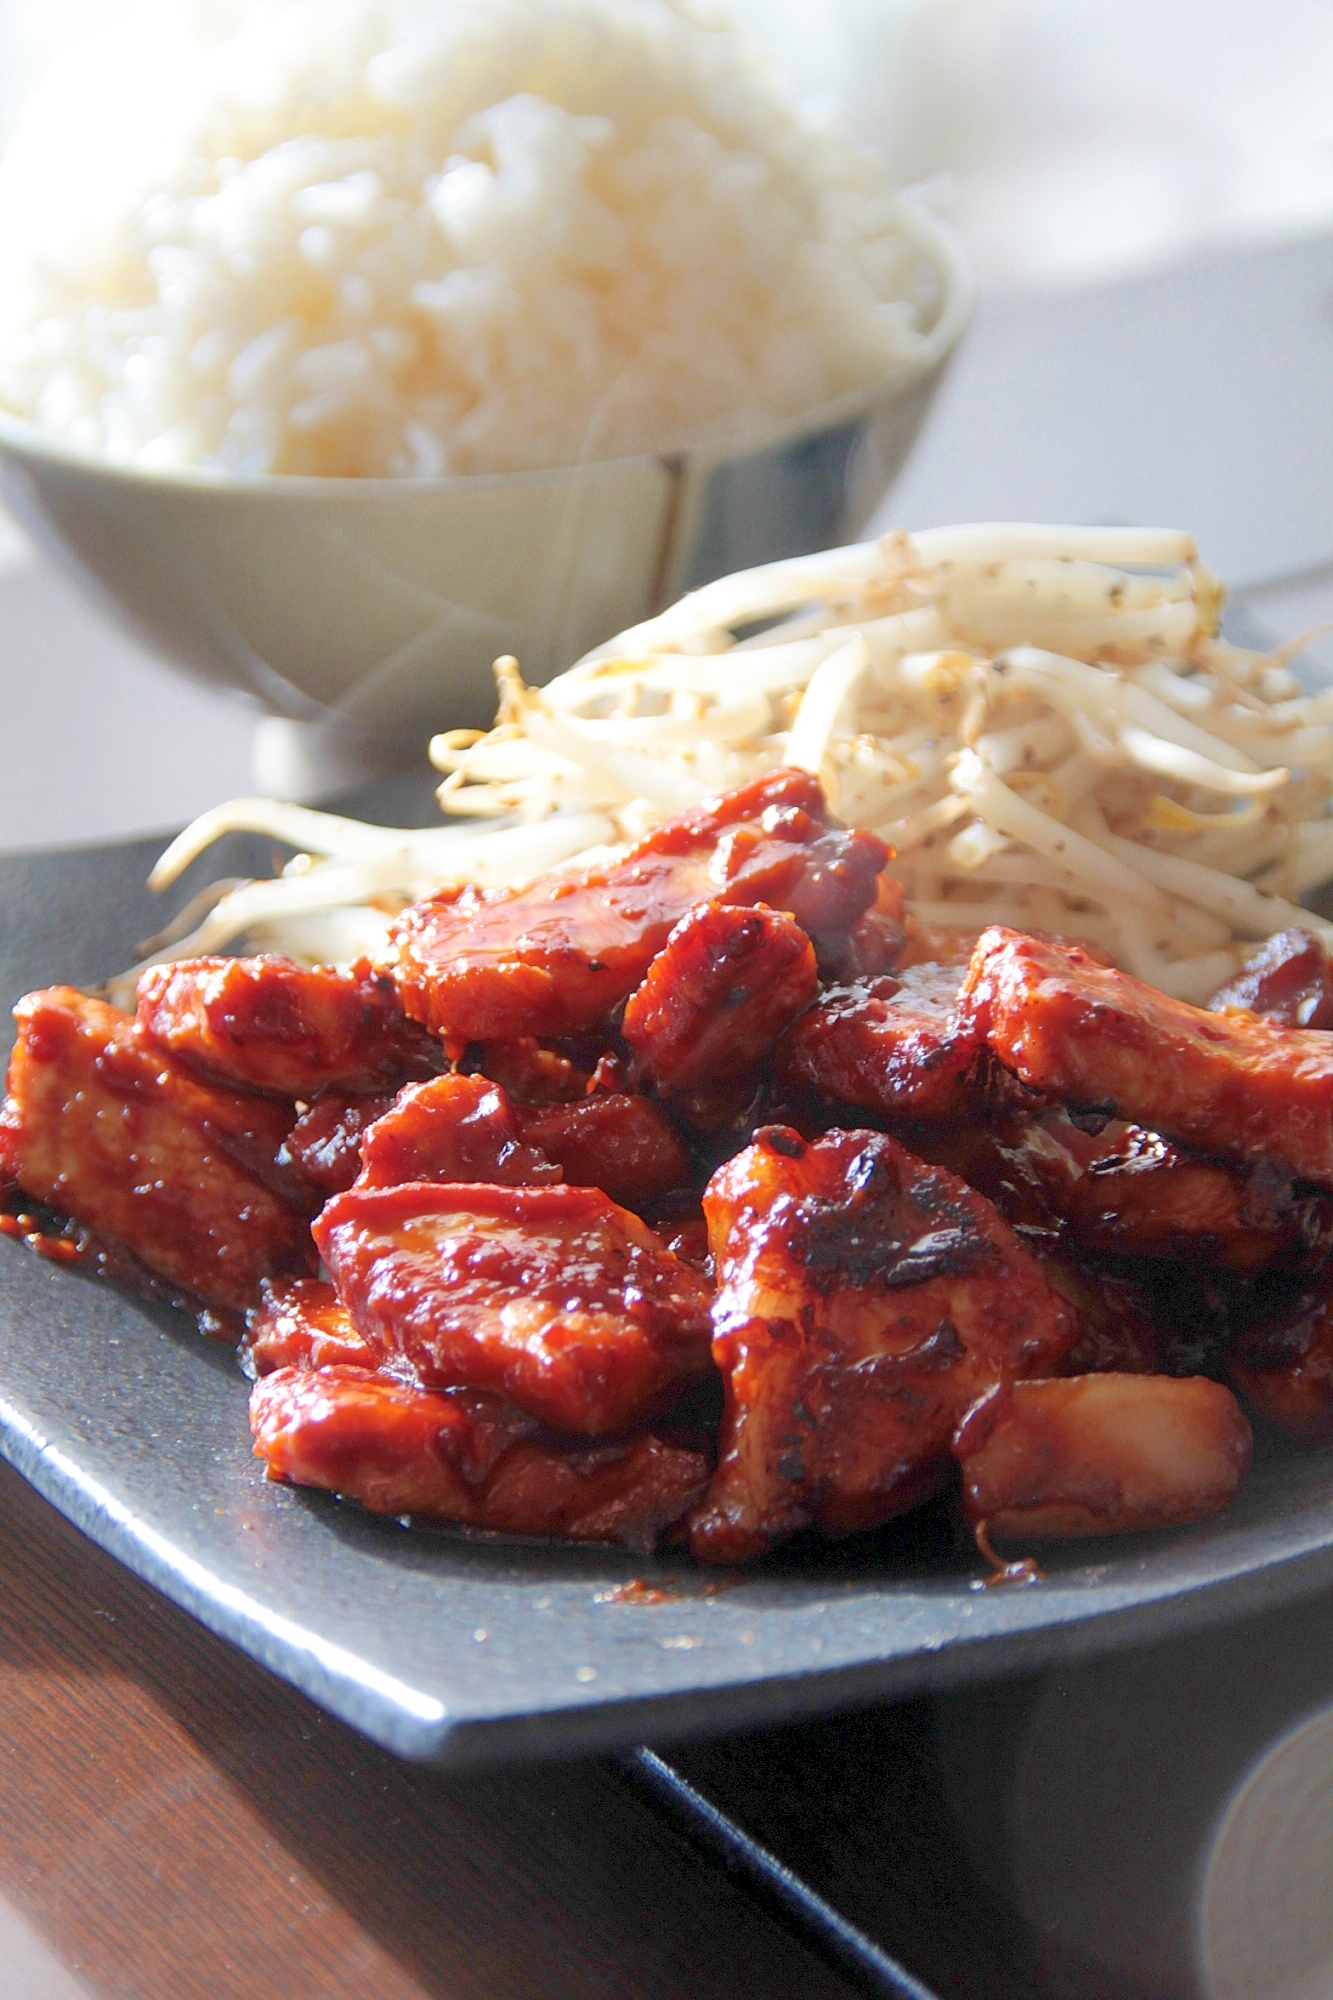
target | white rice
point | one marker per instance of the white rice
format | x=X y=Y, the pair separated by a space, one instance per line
x=415 y=237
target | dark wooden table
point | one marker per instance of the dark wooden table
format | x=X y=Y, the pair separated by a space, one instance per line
x=174 y=1821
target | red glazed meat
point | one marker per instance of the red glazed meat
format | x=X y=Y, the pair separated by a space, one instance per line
x=108 y=1129
x=301 y=1323
x=896 y=1046
x=553 y=1297
x=864 y=1301
x=270 y=1024
x=612 y=1140
x=465 y=1457
x=1225 y=1083
x=454 y=1128
x=1101 y=1455
x=717 y=996
x=1127 y=1191
x=560 y=955
x=463 y=1128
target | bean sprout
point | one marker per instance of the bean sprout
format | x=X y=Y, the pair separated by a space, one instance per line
x=1042 y=720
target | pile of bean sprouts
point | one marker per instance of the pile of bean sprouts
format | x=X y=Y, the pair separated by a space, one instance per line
x=1043 y=721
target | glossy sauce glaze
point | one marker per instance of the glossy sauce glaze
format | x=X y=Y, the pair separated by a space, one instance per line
x=908 y=1201
x=269 y=1024
x=553 y=1296
x=559 y=956
x=103 y=1126
x=1089 y=1035
x=718 y=995
x=865 y=1299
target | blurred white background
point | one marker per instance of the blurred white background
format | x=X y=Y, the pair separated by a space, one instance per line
x=1088 y=139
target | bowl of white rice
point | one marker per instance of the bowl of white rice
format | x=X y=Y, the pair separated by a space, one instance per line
x=348 y=344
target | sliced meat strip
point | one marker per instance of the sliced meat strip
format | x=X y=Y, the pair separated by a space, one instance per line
x=718 y=995
x=896 y=1046
x=613 y=1140
x=105 y=1127
x=454 y=1128
x=562 y=954
x=1225 y=1083
x=324 y=1145
x=553 y=1297
x=1128 y=1191
x=296 y=1030
x=464 y=1128
x=393 y=1447
x=864 y=1301
x=301 y=1323
x=462 y=1457
x=1100 y=1454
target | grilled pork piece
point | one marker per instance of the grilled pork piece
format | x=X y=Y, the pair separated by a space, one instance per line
x=895 y=1045
x=553 y=1297
x=865 y=1300
x=454 y=1128
x=463 y=1456
x=1288 y=980
x=1226 y=1083
x=324 y=1145
x=270 y=1024
x=463 y=1128
x=613 y=1140
x=459 y=1455
x=301 y=1323
x=531 y=1073
x=1282 y=1362
x=1100 y=1454
x=719 y=993
x=1125 y=1190
x=109 y=1129
x=560 y=955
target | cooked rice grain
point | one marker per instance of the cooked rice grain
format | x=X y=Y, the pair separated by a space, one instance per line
x=420 y=237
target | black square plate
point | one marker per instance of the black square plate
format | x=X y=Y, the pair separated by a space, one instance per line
x=453 y=1648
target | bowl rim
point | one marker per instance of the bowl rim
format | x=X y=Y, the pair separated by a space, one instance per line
x=23 y=439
